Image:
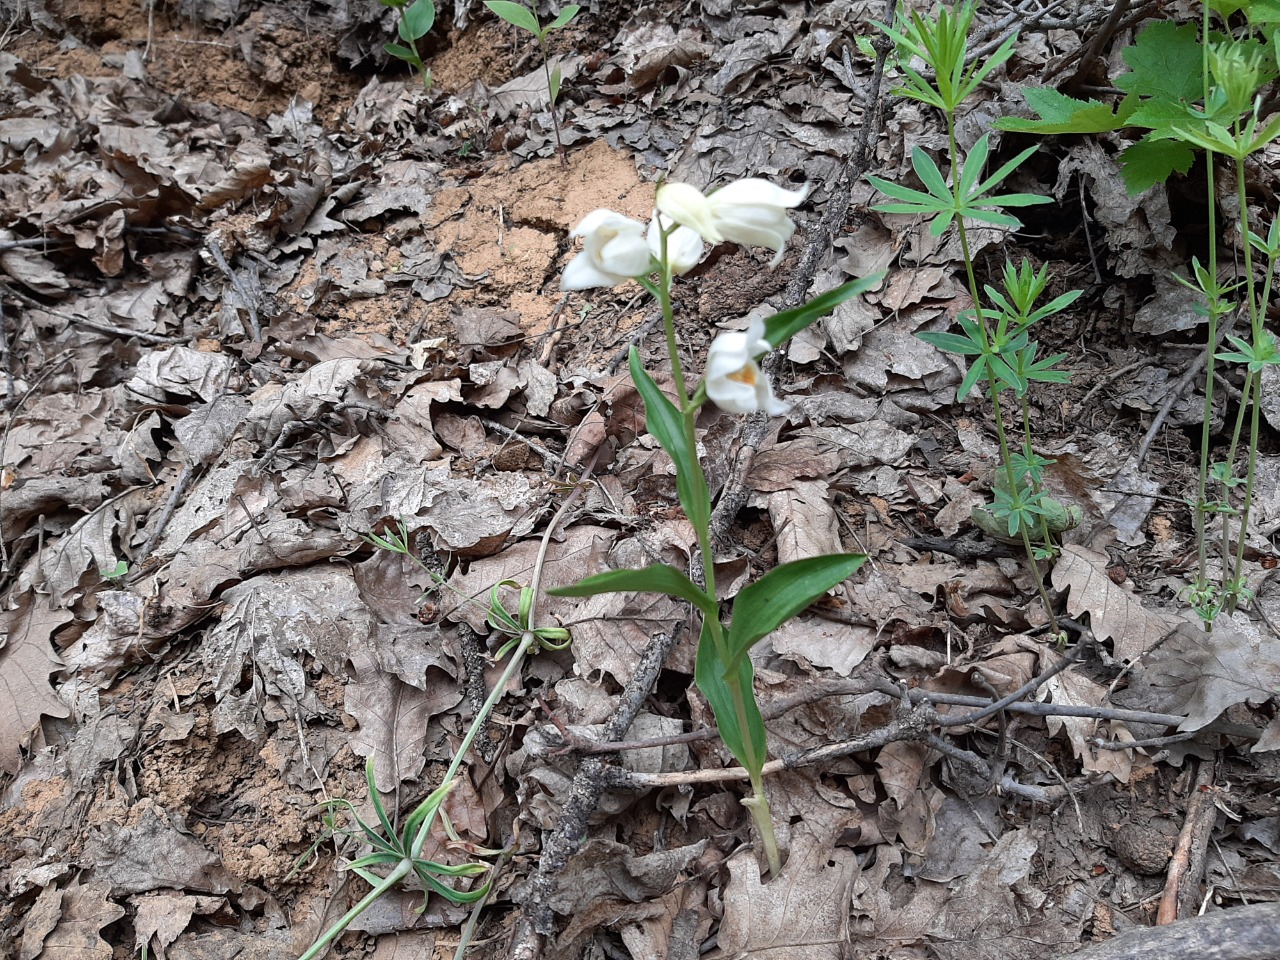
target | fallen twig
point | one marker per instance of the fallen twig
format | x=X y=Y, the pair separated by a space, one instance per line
x=537 y=918
x=1181 y=896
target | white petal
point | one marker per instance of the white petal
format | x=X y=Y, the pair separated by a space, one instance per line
x=728 y=354
x=582 y=274
x=757 y=192
x=626 y=255
x=757 y=344
x=596 y=220
x=732 y=396
x=688 y=207
x=684 y=246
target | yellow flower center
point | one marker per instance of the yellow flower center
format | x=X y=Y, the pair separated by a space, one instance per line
x=746 y=375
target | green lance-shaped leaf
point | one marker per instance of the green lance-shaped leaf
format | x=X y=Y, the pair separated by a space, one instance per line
x=417 y=20
x=567 y=14
x=781 y=327
x=664 y=421
x=780 y=594
x=404 y=53
x=658 y=578
x=554 y=88
x=710 y=675
x=516 y=14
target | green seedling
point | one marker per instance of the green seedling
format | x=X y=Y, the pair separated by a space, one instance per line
x=401 y=850
x=417 y=17
x=121 y=569
x=526 y=18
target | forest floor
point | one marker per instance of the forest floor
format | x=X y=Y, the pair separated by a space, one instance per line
x=265 y=295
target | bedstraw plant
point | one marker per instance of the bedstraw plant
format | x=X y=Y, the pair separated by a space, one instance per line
x=996 y=333
x=401 y=849
x=751 y=212
x=1194 y=89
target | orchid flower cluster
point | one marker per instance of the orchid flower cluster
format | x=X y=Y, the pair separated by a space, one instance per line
x=615 y=248
x=752 y=212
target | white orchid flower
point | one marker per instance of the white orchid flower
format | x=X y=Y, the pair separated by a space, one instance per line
x=734 y=380
x=684 y=246
x=752 y=212
x=613 y=250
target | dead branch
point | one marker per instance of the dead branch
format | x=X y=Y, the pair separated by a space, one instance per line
x=537 y=918
x=1181 y=896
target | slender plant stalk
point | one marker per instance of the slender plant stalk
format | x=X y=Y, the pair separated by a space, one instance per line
x=758 y=803
x=1252 y=384
x=551 y=99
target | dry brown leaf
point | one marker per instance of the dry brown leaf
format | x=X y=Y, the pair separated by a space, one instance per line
x=26 y=661
x=159 y=918
x=41 y=920
x=604 y=869
x=409 y=945
x=393 y=716
x=1115 y=614
x=152 y=852
x=270 y=622
x=182 y=372
x=1071 y=688
x=800 y=913
x=1202 y=674
x=804 y=521
x=823 y=643
x=85 y=911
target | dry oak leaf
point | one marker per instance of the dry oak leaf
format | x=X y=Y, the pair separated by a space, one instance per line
x=1114 y=613
x=85 y=910
x=803 y=912
x=26 y=660
x=1205 y=673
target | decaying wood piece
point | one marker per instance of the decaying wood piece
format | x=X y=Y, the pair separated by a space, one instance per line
x=1243 y=933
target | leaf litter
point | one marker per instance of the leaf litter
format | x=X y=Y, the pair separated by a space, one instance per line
x=253 y=329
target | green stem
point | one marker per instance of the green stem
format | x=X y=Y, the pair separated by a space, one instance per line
x=1202 y=544
x=758 y=803
x=551 y=100
x=527 y=642
x=402 y=870
x=1253 y=383
x=996 y=409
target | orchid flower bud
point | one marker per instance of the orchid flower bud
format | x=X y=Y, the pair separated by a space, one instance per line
x=684 y=246
x=752 y=212
x=734 y=380
x=613 y=250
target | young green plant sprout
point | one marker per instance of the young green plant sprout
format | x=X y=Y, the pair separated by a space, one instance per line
x=416 y=20
x=615 y=248
x=401 y=850
x=526 y=18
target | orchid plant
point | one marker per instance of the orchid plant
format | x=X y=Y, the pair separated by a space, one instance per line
x=615 y=248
